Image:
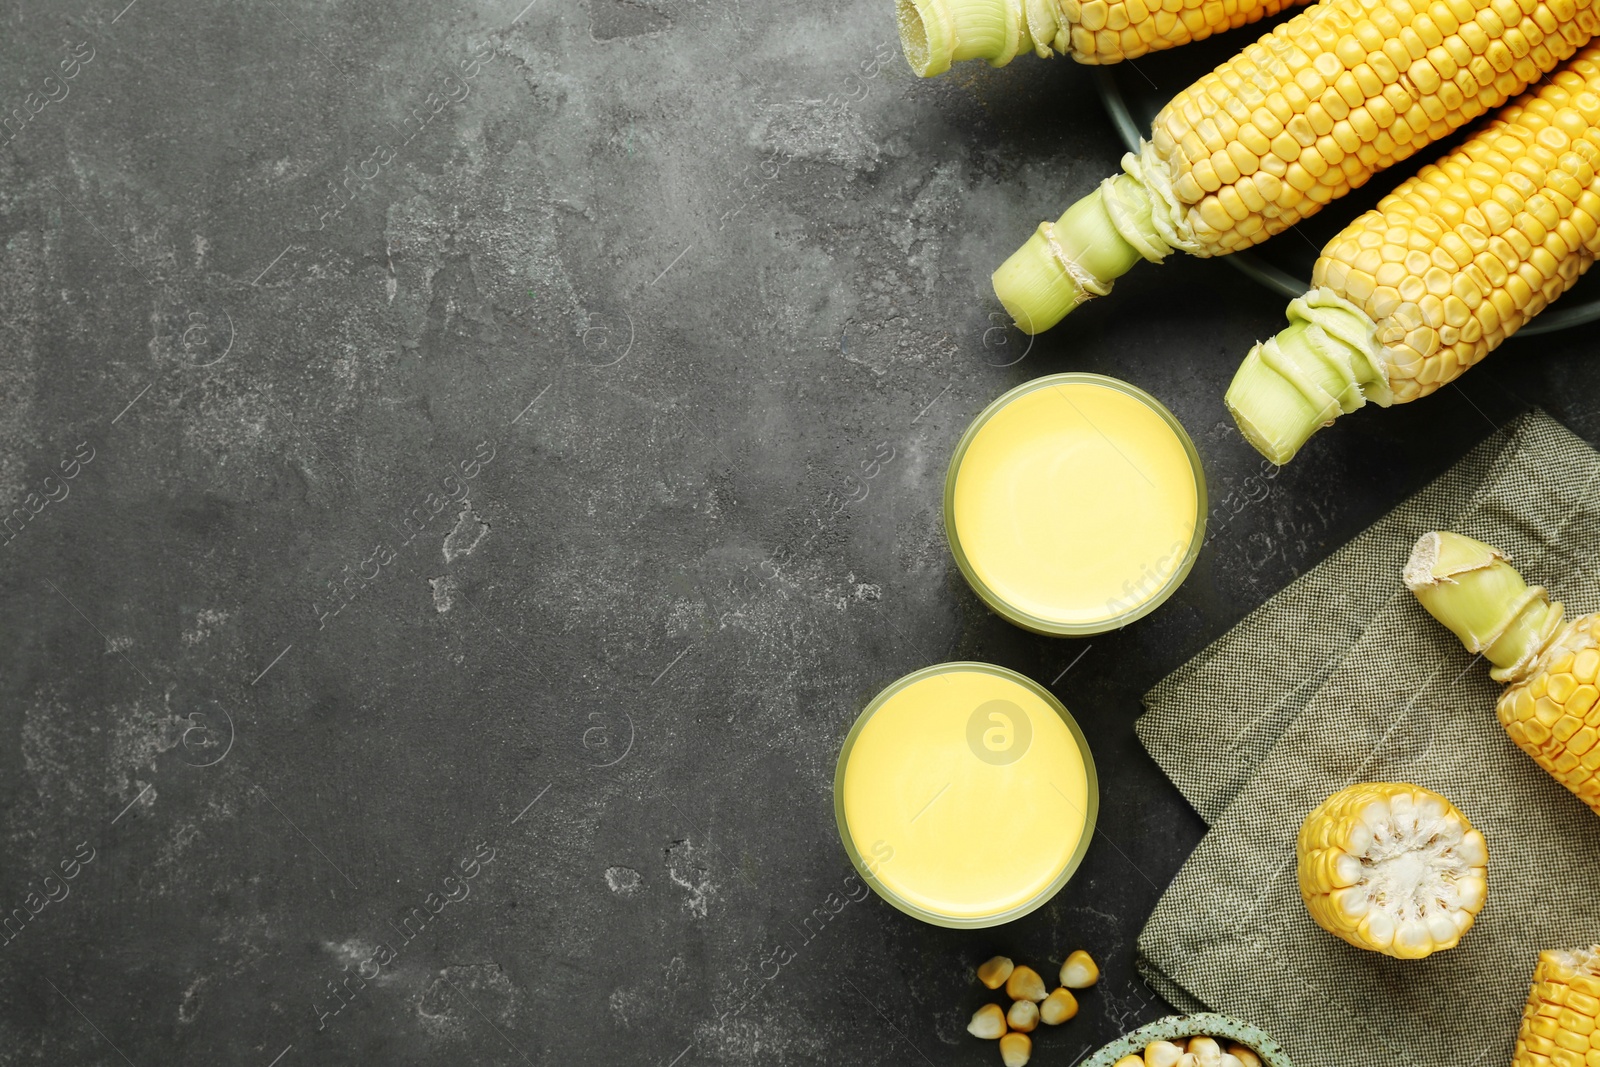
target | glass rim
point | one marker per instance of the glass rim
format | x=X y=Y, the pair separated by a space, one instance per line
x=1055 y=627
x=1091 y=812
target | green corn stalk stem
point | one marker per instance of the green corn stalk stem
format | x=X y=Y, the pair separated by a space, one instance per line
x=1478 y=595
x=936 y=33
x=1078 y=256
x=1327 y=363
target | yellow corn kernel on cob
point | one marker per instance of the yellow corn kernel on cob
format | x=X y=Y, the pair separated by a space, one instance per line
x=1561 y=1021
x=935 y=33
x=1393 y=868
x=1443 y=270
x=1551 y=703
x=1305 y=114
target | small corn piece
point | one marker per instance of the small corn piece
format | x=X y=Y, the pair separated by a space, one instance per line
x=935 y=33
x=1561 y=1021
x=1023 y=1016
x=1015 y=1049
x=1058 y=1007
x=994 y=972
x=1079 y=971
x=1246 y=1056
x=1206 y=1051
x=1162 y=1054
x=1393 y=868
x=988 y=1022
x=1312 y=110
x=1129 y=1060
x=1025 y=984
x=1551 y=703
x=1443 y=270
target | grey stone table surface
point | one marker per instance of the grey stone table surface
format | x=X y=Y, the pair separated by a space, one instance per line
x=466 y=467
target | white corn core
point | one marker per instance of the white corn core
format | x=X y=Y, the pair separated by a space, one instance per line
x=1414 y=870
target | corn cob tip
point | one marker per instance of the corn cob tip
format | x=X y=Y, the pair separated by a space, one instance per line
x=1324 y=364
x=1064 y=263
x=936 y=33
x=1474 y=591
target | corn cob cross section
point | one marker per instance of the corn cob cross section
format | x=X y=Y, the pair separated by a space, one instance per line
x=1561 y=1021
x=1305 y=114
x=1392 y=868
x=935 y=33
x=1443 y=270
x=1551 y=703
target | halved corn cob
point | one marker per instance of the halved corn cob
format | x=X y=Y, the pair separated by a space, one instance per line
x=1445 y=268
x=1305 y=114
x=934 y=33
x=1393 y=868
x=1551 y=703
x=1561 y=1021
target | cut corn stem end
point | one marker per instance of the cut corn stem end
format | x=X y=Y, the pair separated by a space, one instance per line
x=1064 y=264
x=936 y=33
x=1273 y=415
x=1478 y=595
x=1326 y=363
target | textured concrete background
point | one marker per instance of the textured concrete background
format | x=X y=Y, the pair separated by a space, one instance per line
x=505 y=454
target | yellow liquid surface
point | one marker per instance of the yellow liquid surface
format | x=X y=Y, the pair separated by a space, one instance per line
x=951 y=831
x=1075 y=503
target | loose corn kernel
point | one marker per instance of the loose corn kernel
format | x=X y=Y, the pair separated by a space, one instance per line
x=994 y=972
x=988 y=1022
x=1015 y=1050
x=1058 y=1007
x=1025 y=984
x=1079 y=971
x=1023 y=1016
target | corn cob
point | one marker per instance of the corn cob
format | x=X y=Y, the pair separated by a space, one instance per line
x=1442 y=271
x=1305 y=114
x=1561 y=1022
x=1551 y=703
x=935 y=33
x=1392 y=868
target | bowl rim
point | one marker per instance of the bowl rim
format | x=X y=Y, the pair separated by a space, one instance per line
x=1199 y=1024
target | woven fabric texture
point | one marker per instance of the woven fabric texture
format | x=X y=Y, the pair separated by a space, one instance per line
x=1342 y=678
